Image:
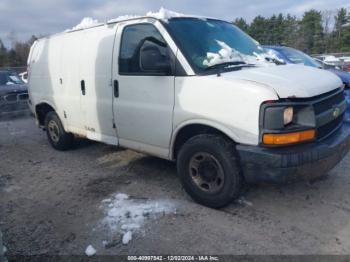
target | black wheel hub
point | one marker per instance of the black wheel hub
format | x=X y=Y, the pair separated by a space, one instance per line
x=206 y=172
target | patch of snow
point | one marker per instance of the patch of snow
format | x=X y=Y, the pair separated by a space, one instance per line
x=225 y=54
x=90 y=251
x=122 y=18
x=269 y=56
x=86 y=22
x=243 y=201
x=130 y=227
x=121 y=196
x=108 y=200
x=164 y=14
x=17 y=133
x=127 y=238
x=229 y=54
x=126 y=215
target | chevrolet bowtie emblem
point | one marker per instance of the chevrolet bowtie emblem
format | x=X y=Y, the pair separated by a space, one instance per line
x=336 y=112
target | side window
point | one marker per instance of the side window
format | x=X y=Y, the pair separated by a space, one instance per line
x=136 y=38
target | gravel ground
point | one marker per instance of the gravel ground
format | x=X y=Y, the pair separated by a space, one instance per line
x=51 y=203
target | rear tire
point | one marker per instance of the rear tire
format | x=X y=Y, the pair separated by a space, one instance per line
x=209 y=170
x=58 y=137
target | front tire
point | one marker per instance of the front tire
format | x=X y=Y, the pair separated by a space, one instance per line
x=209 y=170
x=58 y=137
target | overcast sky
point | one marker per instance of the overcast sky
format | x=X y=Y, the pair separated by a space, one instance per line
x=26 y=17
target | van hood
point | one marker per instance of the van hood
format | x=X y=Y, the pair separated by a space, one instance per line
x=289 y=81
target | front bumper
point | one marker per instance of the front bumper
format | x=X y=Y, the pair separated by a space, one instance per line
x=299 y=162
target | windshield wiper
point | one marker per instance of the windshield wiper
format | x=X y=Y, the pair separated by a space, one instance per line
x=228 y=65
x=225 y=64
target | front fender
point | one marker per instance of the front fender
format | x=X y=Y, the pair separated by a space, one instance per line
x=212 y=124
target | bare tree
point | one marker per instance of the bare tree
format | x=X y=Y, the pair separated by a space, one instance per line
x=12 y=37
x=327 y=20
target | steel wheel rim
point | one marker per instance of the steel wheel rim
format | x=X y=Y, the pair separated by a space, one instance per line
x=54 y=131
x=206 y=172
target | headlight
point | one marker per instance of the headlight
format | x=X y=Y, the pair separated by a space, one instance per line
x=287 y=123
x=288 y=115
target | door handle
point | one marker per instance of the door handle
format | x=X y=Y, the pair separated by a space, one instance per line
x=82 y=87
x=116 y=88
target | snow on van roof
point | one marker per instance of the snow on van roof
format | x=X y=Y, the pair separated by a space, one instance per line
x=162 y=14
x=122 y=18
x=86 y=22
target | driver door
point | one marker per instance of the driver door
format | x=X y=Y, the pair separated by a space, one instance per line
x=143 y=100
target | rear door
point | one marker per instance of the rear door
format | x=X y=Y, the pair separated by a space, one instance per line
x=143 y=102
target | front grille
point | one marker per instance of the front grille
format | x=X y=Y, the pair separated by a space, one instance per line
x=329 y=128
x=324 y=108
x=329 y=102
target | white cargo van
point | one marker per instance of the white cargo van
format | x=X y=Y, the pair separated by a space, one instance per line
x=194 y=90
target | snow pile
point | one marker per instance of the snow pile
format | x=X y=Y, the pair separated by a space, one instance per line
x=127 y=215
x=164 y=14
x=85 y=23
x=243 y=201
x=229 y=54
x=90 y=251
x=122 y=18
x=225 y=54
x=268 y=56
x=127 y=238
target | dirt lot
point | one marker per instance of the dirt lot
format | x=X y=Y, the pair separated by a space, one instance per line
x=52 y=203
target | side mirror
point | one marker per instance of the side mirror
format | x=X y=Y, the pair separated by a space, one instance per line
x=9 y=83
x=152 y=60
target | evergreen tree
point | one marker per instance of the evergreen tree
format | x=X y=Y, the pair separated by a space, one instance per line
x=342 y=31
x=242 y=24
x=3 y=54
x=258 y=29
x=312 y=32
x=290 y=32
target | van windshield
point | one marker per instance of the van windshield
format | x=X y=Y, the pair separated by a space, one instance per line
x=208 y=42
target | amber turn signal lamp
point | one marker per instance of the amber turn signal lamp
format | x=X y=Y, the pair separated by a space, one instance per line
x=288 y=138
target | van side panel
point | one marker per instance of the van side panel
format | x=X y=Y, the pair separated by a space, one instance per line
x=71 y=46
x=96 y=71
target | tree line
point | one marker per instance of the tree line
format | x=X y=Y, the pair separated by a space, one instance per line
x=315 y=32
x=17 y=54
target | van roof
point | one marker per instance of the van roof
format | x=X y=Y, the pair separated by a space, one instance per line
x=163 y=14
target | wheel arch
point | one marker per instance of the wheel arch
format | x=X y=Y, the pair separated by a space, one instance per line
x=188 y=129
x=41 y=109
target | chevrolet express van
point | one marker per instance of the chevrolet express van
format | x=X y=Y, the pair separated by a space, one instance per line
x=194 y=90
